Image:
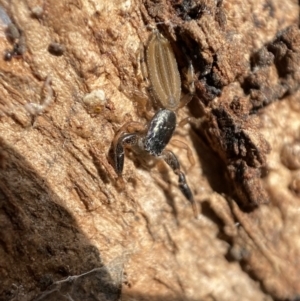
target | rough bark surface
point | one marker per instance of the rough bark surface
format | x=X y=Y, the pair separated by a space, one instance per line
x=70 y=229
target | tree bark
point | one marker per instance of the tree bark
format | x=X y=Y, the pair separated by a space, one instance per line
x=71 y=229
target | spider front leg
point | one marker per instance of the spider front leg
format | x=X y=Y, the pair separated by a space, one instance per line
x=119 y=151
x=126 y=136
x=170 y=158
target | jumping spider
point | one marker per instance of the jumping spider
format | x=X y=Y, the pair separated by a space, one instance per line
x=166 y=90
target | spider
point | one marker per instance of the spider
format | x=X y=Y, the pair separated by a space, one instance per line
x=166 y=90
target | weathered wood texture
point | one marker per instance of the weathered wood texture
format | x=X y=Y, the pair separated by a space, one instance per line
x=63 y=212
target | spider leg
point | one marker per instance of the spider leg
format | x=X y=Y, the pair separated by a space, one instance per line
x=119 y=152
x=191 y=86
x=181 y=144
x=170 y=158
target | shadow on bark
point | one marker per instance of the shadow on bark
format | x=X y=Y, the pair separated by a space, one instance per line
x=40 y=242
